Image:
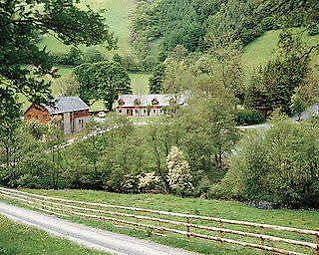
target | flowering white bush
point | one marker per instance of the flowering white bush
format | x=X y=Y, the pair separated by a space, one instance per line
x=148 y=181
x=179 y=175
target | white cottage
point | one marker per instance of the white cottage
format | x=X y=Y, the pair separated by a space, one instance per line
x=148 y=105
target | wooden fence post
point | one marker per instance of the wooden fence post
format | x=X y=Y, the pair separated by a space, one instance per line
x=262 y=232
x=188 y=227
x=317 y=241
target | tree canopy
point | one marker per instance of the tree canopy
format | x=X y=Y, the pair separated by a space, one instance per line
x=103 y=81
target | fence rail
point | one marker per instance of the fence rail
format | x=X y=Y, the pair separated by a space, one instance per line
x=292 y=241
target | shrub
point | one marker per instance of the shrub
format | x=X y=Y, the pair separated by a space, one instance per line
x=249 y=117
x=279 y=166
x=149 y=182
x=179 y=175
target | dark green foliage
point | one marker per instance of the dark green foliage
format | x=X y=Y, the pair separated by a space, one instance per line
x=292 y=13
x=103 y=81
x=74 y=57
x=280 y=166
x=200 y=25
x=156 y=80
x=111 y=161
x=27 y=151
x=175 y=21
x=236 y=21
x=249 y=117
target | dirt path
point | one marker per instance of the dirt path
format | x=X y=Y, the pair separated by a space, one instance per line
x=86 y=236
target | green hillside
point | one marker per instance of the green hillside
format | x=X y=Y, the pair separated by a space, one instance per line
x=117 y=17
x=263 y=49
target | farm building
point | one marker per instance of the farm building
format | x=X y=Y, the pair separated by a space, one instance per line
x=148 y=105
x=71 y=111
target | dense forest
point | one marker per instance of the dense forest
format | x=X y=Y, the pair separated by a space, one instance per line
x=202 y=25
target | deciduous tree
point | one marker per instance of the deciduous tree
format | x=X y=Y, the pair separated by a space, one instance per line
x=103 y=81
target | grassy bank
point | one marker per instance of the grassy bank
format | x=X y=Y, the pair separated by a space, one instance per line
x=308 y=219
x=17 y=239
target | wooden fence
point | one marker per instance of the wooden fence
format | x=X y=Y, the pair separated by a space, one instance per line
x=265 y=237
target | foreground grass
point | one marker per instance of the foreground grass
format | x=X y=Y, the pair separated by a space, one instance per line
x=17 y=239
x=308 y=219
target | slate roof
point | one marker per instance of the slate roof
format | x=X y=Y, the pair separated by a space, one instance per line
x=67 y=104
x=146 y=100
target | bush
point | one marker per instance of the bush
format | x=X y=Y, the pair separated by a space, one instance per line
x=179 y=175
x=279 y=166
x=249 y=117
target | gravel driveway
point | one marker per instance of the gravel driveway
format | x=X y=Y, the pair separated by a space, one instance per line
x=89 y=237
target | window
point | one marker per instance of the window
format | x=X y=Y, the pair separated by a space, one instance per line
x=81 y=123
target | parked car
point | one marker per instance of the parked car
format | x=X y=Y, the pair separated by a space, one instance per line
x=101 y=114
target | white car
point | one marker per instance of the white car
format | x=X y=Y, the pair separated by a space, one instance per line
x=101 y=114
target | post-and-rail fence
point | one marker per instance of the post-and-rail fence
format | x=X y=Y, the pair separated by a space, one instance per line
x=268 y=238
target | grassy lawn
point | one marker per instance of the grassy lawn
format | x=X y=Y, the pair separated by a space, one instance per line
x=17 y=239
x=308 y=219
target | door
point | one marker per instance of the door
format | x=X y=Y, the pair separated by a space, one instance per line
x=67 y=123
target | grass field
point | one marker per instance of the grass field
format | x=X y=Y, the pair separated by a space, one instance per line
x=17 y=239
x=308 y=219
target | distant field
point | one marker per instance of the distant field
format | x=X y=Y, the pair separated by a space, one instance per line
x=17 y=239
x=216 y=208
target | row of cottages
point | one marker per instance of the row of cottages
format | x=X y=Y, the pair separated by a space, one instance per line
x=72 y=113
x=148 y=105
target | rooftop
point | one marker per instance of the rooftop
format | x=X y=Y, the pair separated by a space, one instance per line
x=67 y=104
x=148 y=100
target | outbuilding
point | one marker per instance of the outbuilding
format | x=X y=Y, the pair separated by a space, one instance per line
x=72 y=112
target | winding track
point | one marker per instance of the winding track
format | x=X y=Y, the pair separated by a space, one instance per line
x=86 y=236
